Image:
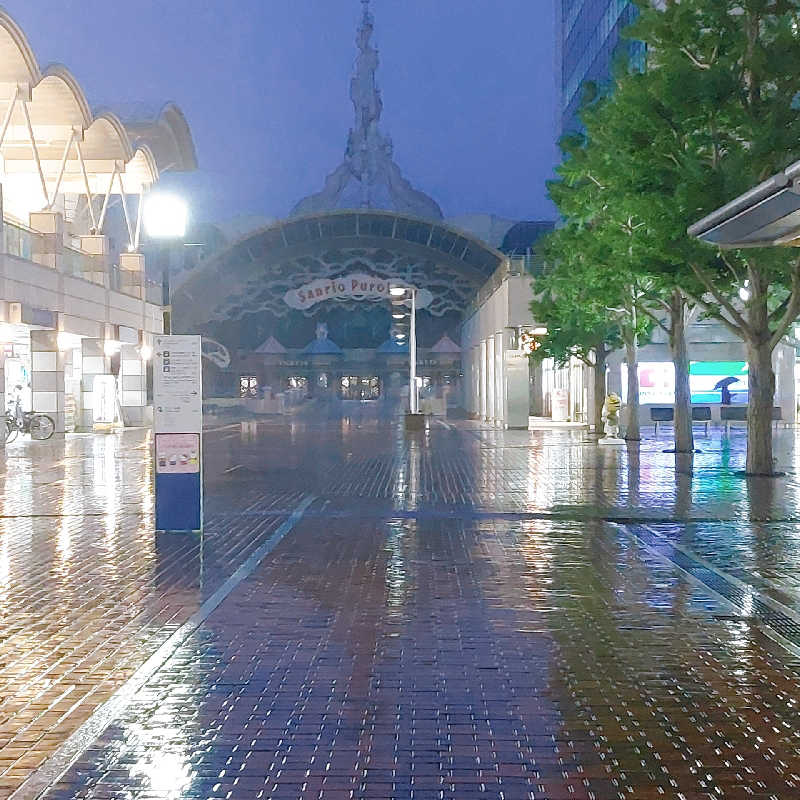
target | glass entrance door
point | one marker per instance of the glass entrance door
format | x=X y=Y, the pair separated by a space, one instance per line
x=355 y=387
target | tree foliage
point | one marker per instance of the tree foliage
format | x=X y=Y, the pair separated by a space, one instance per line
x=714 y=113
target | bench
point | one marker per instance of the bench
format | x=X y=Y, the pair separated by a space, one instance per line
x=667 y=414
x=702 y=414
x=730 y=414
x=659 y=414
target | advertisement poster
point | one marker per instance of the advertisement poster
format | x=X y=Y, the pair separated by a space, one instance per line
x=724 y=382
x=177 y=453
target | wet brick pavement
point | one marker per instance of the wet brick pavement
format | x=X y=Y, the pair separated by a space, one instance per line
x=470 y=613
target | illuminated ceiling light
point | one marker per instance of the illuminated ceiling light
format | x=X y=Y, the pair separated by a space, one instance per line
x=397 y=291
x=398 y=316
x=165 y=216
x=67 y=341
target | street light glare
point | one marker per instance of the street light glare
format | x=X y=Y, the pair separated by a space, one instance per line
x=165 y=216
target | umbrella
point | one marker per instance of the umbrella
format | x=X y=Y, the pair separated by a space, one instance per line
x=725 y=382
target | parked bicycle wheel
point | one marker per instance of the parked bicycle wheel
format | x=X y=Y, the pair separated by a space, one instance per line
x=42 y=427
x=11 y=430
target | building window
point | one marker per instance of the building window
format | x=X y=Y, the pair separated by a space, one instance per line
x=248 y=386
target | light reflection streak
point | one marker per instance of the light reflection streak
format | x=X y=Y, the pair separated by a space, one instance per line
x=5 y=572
x=397 y=567
x=164 y=762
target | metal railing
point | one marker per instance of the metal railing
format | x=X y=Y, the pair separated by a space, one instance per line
x=19 y=240
x=24 y=242
x=153 y=292
x=76 y=262
x=529 y=265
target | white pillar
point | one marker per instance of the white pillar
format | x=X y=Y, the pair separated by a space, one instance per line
x=134 y=387
x=475 y=387
x=132 y=272
x=94 y=362
x=48 y=247
x=96 y=265
x=482 y=405
x=784 y=361
x=499 y=393
x=490 y=387
x=2 y=394
x=47 y=377
x=413 y=394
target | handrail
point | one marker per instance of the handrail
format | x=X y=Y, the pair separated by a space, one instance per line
x=528 y=264
x=23 y=242
x=18 y=239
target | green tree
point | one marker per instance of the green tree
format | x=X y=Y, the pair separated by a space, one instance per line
x=627 y=165
x=715 y=112
x=589 y=295
x=724 y=75
x=577 y=326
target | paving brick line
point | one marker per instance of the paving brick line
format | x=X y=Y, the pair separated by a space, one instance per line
x=778 y=621
x=764 y=555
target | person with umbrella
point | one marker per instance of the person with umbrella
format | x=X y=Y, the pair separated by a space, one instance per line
x=724 y=390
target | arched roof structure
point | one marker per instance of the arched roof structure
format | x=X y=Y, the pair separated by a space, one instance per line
x=48 y=130
x=253 y=274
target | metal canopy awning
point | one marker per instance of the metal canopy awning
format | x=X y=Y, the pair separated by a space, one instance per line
x=766 y=215
x=52 y=143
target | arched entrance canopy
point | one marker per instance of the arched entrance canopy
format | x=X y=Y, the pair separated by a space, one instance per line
x=254 y=273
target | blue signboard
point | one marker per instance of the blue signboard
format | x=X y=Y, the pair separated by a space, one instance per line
x=178 y=418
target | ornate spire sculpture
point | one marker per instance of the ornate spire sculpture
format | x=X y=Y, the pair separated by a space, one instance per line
x=368 y=177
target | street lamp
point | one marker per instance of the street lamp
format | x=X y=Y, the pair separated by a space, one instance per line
x=413 y=393
x=165 y=217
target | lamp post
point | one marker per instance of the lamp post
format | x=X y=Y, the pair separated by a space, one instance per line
x=165 y=217
x=413 y=395
x=414 y=420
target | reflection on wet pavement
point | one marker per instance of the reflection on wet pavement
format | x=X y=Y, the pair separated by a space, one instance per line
x=471 y=613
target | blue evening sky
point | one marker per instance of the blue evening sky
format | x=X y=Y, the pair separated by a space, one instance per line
x=468 y=89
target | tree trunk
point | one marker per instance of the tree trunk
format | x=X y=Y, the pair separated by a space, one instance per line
x=759 y=413
x=632 y=431
x=600 y=359
x=684 y=439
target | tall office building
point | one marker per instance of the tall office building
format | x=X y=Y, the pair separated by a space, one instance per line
x=588 y=36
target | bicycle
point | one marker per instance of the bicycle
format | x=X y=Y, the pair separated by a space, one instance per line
x=39 y=426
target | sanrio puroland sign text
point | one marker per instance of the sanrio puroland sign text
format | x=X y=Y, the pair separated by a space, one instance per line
x=356 y=286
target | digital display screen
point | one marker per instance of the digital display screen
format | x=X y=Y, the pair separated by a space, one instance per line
x=719 y=382
x=709 y=382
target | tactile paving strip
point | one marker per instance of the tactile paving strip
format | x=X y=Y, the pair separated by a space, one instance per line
x=751 y=605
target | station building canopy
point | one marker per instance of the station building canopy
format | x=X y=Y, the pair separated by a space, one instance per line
x=51 y=142
x=767 y=214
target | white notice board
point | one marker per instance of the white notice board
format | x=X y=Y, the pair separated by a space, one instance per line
x=177 y=384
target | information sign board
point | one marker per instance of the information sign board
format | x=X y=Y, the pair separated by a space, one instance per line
x=178 y=384
x=178 y=418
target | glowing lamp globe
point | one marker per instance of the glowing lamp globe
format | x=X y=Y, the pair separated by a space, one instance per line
x=165 y=216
